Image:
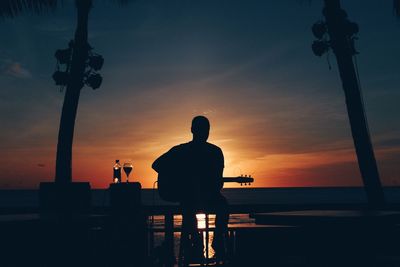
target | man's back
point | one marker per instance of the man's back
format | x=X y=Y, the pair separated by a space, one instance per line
x=201 y=166
x=196 y=167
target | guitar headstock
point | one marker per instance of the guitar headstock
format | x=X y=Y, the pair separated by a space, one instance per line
x=245 y=179
x=242 y=179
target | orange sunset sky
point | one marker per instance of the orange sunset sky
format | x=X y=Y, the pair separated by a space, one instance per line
x=276 y=110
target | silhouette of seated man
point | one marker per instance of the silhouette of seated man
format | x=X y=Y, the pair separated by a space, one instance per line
x=198 y=165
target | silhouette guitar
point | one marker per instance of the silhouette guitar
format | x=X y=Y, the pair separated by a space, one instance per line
x=246 y=180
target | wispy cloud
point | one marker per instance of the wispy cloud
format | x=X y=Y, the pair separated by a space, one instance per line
x=14 y=69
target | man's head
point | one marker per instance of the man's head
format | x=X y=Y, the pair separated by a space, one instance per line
x=200 y=128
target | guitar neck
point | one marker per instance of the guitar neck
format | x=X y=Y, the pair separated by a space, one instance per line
x=229 y=179
x=237 y=179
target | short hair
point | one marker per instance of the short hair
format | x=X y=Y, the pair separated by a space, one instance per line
x=200 y=123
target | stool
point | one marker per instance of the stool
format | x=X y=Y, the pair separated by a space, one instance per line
x=185 y=242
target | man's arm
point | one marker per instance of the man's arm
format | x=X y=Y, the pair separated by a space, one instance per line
x=160 y=163
x=220 y=169
x=163 y=162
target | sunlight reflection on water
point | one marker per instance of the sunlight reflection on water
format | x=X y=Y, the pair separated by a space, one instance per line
x=242 y=219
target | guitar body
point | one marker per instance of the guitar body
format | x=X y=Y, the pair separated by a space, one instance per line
x=169 y=187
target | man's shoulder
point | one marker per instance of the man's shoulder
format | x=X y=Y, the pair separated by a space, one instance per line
x=214 y=147
x=190 y=145
x=179 y=148
x=216 y=150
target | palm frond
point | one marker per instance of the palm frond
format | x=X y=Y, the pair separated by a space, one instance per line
x=12 y=8
x=396 y=7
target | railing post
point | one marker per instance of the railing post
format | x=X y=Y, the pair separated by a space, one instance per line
x=169 y=239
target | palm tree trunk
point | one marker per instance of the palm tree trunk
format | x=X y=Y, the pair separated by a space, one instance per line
x=359 y=128
x=396 y=7
x=75 y=84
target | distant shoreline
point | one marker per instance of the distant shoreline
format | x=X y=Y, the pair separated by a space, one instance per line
x=229 y=188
